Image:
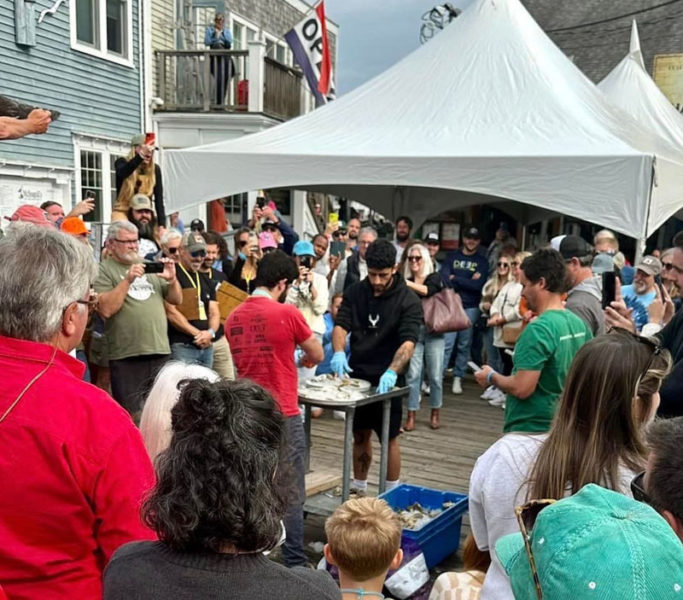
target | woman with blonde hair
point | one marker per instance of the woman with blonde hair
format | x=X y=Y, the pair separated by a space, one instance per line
x=418 y=271
x=155 y=423
x=137 y=173
x=611 y=393
x=497 y=280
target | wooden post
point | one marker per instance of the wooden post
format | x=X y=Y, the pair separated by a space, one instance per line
x=256 y=75
x=206 y=79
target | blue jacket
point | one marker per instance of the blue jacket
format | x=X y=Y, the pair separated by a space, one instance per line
x=217 y=42
x=459 y=268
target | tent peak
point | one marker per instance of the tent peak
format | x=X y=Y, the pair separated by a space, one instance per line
x=634 y=49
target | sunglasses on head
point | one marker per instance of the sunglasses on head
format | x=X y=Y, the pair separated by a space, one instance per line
x=198 y=254
x=526 y=518
x=638 y=488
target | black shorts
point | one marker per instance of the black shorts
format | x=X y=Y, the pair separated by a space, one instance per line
x=370 y=417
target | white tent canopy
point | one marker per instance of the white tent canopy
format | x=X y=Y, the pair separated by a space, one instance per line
x=630 y=87
x=490 y=107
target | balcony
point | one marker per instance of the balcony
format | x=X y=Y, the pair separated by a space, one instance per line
x=228 y=81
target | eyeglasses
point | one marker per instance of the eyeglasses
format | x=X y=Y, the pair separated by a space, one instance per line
x=504 y=264
x=198 y=254
x=526 y=517
x=638 y=488
x=172 y=250
x=415 y=258
x=127 y=242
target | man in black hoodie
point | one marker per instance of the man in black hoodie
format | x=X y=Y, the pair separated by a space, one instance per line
x=383 y=317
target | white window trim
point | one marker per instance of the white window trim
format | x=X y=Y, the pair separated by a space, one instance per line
x=106 y=147
x=245 y=23
x=278 y=42
x=102 y=52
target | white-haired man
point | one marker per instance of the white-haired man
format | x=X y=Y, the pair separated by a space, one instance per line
x=132 y=302
x=73 y=468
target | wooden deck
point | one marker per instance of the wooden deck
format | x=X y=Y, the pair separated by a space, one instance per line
x=441 y=459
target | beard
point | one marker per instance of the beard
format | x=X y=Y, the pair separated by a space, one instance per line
x=145 y=230
x=402 y=237
x=353 y=235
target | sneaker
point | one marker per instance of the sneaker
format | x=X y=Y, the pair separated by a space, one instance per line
x=356 y=493
x=425 y=388
x=457 y=386
x=489 y=393
x=498 y=399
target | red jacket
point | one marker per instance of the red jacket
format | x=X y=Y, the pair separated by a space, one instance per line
x=73 y=472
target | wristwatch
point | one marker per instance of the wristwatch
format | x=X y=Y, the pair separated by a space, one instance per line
x=212 y=332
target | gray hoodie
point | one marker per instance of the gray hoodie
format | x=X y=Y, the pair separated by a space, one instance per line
x=585 y=301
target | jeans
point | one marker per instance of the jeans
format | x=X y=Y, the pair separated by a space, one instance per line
x=429 y=349
x=191 y=354
x=293 y=476
x=463 y=339
x=493 y=358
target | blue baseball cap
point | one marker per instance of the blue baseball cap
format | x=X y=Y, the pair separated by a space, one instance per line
x=303 y=248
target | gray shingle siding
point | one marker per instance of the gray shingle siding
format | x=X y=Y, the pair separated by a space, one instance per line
x=597 y=49
x=95 y=96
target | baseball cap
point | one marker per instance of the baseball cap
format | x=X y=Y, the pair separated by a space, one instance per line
x=472 y=232
x=574 y=246
x=141 y=202
x=266 y=240
x=197 y=225
x=432 y=237
x=73 y=226
x=651 y=265
x=303 y=248
x=602 y=263
x=597 y=545
x=138 y=139
x=556 y=241
x=31 y=214
x=194 y=241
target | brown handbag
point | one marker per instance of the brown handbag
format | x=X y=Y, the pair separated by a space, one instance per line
x=510 y=334
x=443 y=312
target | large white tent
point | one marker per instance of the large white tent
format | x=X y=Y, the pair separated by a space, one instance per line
x=489 y=108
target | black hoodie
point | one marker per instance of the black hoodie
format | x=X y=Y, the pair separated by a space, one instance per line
x=378 y=325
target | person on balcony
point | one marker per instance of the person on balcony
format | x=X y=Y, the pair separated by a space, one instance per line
x=217 y=37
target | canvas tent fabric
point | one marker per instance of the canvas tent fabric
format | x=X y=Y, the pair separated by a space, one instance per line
x=630 y=87
x=488 y=108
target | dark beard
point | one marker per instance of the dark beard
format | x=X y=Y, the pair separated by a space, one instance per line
x=402 y=237
x=145 y=230
x=353 y=235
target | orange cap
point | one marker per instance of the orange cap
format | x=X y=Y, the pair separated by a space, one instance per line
x=73 y=226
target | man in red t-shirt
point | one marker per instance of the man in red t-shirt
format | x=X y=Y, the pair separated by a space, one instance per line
x=263 y=334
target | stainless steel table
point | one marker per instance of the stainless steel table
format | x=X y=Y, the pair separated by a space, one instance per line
x=349 y=409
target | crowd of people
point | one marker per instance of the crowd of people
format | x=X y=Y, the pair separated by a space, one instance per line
x=184 y=483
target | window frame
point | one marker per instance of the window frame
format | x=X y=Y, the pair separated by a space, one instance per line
x=247 y=25
x=100 y=49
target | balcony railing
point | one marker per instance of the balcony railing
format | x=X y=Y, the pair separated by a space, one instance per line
x=227 y=81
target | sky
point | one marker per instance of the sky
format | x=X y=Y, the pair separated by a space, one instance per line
x=375 y=34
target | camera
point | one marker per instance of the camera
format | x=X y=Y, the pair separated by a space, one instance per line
x=306 y=261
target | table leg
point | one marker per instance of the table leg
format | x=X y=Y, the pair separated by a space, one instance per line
x=384 y=455
x=307 y=431
x=349 y=411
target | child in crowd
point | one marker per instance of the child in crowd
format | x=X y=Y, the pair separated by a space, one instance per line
x=363 y=541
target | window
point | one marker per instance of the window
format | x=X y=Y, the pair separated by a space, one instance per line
x=277 y=50
x=91 y=180
x=103 y=28
x=242 y=33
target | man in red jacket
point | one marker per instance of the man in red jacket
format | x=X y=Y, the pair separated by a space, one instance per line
x=73 y=466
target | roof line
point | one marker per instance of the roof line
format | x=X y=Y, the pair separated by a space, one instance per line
x=610 y=19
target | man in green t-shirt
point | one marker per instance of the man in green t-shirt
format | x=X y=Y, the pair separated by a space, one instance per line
x=544 y=350
x=132 y=304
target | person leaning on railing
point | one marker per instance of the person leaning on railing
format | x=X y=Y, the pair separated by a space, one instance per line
x=217 y=37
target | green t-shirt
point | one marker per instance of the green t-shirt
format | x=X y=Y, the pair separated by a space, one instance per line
x=140 y=327
x=548 y=344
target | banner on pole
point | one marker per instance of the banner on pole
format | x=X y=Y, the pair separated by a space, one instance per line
x=310 y=46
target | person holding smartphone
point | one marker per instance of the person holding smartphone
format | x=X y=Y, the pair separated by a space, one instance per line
x=244 y=274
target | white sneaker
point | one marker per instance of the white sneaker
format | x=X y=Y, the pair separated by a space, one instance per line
x=425 y=388
x=457 y=386
x=488 y=393
x=498 y=399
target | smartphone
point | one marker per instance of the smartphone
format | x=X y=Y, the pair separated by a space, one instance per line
x=154 y=267
x=89 y=194
x=338 y=248
x=261 y=202
x=334 y=218
x=306 y=261
x=150 y=138
x=609 y=288
x=474 y=366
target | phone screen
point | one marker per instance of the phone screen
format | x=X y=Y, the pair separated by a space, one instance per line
x=89 y=194
x=338 y=248
x=609 y=288
x=154 y=267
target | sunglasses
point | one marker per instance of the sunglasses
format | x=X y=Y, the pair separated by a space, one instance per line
x=198 y=254
x=172 y=250
x=415 y=258
x=667 y=266
x=243 y=243
x=431 y=243
x=504 y=264
x=269 y=228
x=526 y=517
x=339 y=233
x=638 y=488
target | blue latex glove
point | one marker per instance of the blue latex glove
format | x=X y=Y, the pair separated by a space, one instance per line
x=339 y=364
x=386 y=382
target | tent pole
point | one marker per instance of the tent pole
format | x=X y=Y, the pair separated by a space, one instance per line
x=523 y=247
x=642 y=242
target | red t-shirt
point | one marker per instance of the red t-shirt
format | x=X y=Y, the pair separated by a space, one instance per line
x=73 y=473
x=263 y=335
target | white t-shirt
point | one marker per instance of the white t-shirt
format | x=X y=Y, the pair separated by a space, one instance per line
x=497 y=485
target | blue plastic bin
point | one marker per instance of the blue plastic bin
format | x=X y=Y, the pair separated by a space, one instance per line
x=440 y=537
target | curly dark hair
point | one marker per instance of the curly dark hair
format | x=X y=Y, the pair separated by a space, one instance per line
x=216 y=483
x=381 y=254
x=548 y=264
